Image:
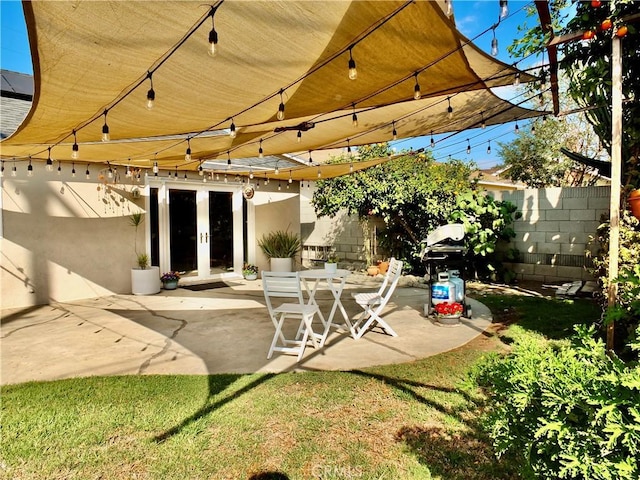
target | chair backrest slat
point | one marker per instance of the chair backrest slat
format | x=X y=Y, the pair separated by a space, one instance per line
x=281 y=285
x=391 y=279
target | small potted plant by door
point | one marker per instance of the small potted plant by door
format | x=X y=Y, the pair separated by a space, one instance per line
x=250 y=272
x=170 y=280
x=331 y=265
x=280 y=247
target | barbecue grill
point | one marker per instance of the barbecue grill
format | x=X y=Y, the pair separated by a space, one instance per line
x=443 y=251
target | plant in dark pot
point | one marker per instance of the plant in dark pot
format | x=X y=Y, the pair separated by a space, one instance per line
x=280 y=247
x=145 y=279
x=170 y=280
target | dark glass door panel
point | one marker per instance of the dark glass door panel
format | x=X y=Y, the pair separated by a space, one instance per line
x=221 y=231
x=183 y=231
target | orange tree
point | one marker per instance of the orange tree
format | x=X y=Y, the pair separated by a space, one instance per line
x=412 y=194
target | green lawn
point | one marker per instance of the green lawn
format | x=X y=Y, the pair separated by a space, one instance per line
x=410 y=421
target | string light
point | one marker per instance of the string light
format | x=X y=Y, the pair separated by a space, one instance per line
x=319 y=172
x=516 y=79
x=74 y=148
x=416 y=89
x=232 y=129
x=299 y=136
x=73 y=169
x=449 y=108
x=2 y=169
x=155 y=167
x=433 y=142
x=279 y=185
x=266 y=181
x=260 y=151
x=353 y=73
x=30 y=168
x=14 y=170
x=87 y=173
x=226 y=180
x=228 y=159
x=250 y=172
x=110 y=172
x=489 y=147
x=105 y=129
x=449 y=8
x=213 y=36
x=49 y=161
x=349 y=147
x=185 y=176
x=517 y=128
x=200 y=169
x=354 y=117
x=483 y=124
x=187 y=153
x=280 y=114
x=494 y=43
x=468 y=147
x=394 y=133
x=504 y=8
x=290 y=179
x=533 y=127
x=310 y=159
x=151 y=94
x=277 y=170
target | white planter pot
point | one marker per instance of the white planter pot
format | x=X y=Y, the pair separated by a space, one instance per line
x=282 y=264
x=331 y=267
x=145 y=282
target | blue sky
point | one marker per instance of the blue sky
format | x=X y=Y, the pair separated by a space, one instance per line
x=472 y=17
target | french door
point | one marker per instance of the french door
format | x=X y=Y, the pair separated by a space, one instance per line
x=200 y=231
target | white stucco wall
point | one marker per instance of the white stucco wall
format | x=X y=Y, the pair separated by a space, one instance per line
x=66 y=238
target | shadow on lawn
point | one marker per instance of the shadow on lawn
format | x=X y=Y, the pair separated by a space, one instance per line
x=463 y=455
x=217 y=384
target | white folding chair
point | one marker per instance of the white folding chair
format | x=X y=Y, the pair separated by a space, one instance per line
x=278 y=286
x=374 y=303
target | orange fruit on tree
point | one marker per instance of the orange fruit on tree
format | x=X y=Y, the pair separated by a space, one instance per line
x=588 y=34
x=622 y=31
x=596 y=3
x=606 y=24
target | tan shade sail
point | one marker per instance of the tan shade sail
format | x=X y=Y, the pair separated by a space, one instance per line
x=92 y=58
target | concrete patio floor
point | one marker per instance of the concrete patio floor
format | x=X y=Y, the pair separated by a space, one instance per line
x=222 y=330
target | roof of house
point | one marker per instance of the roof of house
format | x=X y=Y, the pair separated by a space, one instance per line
x=16 y=96
x=16 y=85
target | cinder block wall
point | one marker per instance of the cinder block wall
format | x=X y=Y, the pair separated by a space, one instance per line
x=556 y=231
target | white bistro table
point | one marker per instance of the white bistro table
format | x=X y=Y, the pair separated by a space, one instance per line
x=335 y=281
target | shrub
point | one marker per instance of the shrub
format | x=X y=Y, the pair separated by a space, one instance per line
x=569 y=409
x=280 y=244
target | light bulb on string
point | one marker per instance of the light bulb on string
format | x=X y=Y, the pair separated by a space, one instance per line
x=110 y=172
x=200 y=169
x=49 y=161
x=213 y=36
x=87 y=173
x=187 y=153
x=73 y=169
x=155 y=167
x=517 y=128
x=151 y=94
x=353 y=73
x=127 y=172
x=280 y=114
x=449 y=109
x=279 y=185
x=185 y=176
x=228 y=159
x=14 y=170
x=494 y=43
x=483 y=124
x=266 y=182
x=449 y=8
x=105 y=129
x=74 y=148
x=433 y=142
x=250 y=172
x=290 y=179
x=277 y=170
x=489 y=148
x=30 y=168
x=504 y=8
x=354 y=117
x=299 y=136
x=533 y=127
x=310 y=159
x=516 y=79
x=416 y=89
x=226 y=180
x=319 y=172
x=468 y=147
x=394 y=133
x=2 y=169
x=348 y=147
x=232 y=129
x=260 y=151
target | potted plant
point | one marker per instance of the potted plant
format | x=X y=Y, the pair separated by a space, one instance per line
x=145 y=280
x=331 y=265
x=170 y=280
x=250 y=272
x=448 y=312
x=280 y=247
x=634 y=203
x=383 y=266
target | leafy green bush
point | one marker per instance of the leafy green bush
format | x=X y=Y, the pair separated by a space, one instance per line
x=567 y=408
x=487 y=225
